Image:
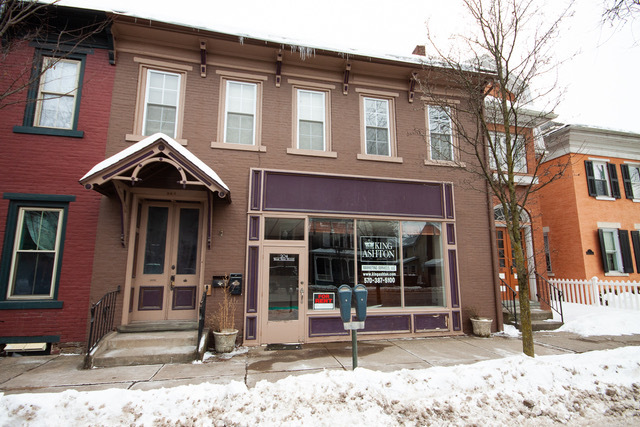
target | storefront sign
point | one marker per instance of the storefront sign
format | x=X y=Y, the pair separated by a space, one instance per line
x=324 y=301
x=378 y=259
x=284 y=258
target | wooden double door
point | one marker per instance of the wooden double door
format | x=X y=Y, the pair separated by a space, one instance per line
x=167 y=261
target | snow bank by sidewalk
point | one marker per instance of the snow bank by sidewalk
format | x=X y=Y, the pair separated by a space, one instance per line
x=580 y=389
x=589 y=320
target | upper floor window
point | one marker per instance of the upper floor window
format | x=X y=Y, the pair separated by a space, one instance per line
x=602 y=179
x=240 y=112
x=54 y=95
x=161 y=103
x=377 y=128
x=518 y=152
x=440 y=133
x=631 y=180
x=311 y=121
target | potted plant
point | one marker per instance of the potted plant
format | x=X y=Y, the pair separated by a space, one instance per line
x=481 y=325
x=224 y=334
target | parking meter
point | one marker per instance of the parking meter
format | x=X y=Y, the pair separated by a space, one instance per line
x=360 y=294
x=344 y=295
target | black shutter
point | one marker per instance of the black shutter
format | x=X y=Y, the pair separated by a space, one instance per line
x=603 y=252
x=626 y=181
x=635 y=238
x=591 y=178
x=613 y=176
x=627 y=261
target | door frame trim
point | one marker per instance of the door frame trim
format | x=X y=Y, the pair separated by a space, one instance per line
x=139 y=195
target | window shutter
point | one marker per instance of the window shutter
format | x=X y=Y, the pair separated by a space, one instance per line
x=613 y=176
x=591 y=178
x=635 y=238
x=603 y=252
x=626 y=181
x=627 y=261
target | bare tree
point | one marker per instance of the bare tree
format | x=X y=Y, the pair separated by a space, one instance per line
x=620 y=10
x=25 y=21
x=492 y=71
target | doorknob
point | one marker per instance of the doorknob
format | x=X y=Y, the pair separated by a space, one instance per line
x=173 y=280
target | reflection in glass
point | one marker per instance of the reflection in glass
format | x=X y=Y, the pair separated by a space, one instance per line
x=378 y=261
x=283 y=287
x=154 y=250
x=422 y=264
x=330 y=256
x=284 y=229
x=188 y=241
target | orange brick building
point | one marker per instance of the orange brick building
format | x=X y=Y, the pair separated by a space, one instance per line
x=591 y=216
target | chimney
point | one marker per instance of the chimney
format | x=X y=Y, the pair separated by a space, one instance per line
x=419 y=50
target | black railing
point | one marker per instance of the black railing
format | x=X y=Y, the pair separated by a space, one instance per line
x=203 y=308
x=102 y=314
x=550 y=295
x=510 y=301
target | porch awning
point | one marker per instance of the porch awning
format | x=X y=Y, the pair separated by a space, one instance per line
x=147 y=159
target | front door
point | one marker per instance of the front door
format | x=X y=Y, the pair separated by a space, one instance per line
x=282 y=296
x=506 y=257
x=166 y=271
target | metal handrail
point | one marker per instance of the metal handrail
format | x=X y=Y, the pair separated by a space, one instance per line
x=510 y=302
x=551 y=295
x=102 y=314
x=202 y=310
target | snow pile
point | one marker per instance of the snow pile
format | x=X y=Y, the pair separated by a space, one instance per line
x=589 y=388
x=589 y=320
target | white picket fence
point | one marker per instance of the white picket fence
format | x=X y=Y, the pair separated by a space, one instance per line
x=618 y=294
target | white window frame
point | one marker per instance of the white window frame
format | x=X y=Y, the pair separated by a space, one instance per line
x=390 y=98
x=300 y=118
x=49 y=64
x=16 y=250
x=616 y=251
x=635 y=184
x=607 y=178
x=520 y=161
x=147 y=103
x=387 y=128
x=227 y=110
x=430 y=134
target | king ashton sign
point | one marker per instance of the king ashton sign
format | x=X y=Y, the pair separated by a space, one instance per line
x=378 y=249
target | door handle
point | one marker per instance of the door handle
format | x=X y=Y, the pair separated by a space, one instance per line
x=301 y=290
x=173 y=281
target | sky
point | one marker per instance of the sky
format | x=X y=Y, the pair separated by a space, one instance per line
x=593 y=388
x=599 y=83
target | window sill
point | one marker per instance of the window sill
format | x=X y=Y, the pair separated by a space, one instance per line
x=313 y=153
x=450 y=163
x=49 y=131
x=27 y=304
x=136 y=138
x=239 y=147
x=611 y=199
x=375 y=158
x=616 y=274
x=551 y=274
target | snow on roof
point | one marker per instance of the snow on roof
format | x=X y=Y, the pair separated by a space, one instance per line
x=148 y=141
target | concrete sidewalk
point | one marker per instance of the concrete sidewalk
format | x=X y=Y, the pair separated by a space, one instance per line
x=42 y=374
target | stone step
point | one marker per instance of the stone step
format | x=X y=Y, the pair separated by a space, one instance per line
x=152 y=339
x=545 y=325
x=145 y=356
x=172 y=325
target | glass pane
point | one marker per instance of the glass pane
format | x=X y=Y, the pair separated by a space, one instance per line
x=283 y=287
x=33 y=273
x=188 y=241
x=239 y=129
x=310 y=135
x=284 y=229
x=39 y=230
x=56 y=111
x=160 y=119
x=154 y=251
x=423 y=264
x=331 y=257
x=378 y=262
x=311 y=106
x=60 y=78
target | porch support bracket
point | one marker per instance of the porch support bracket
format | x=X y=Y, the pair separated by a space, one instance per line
x=124 y=195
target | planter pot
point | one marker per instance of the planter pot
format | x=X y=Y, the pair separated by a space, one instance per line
x=482 y=326
x=225 y=340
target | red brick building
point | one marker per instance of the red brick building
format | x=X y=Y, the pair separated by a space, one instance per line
x=51 y=130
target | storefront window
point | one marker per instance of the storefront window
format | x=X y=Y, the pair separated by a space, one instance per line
x=284 y=229
x=331 y=260
x=422 y=264
x=378 y=261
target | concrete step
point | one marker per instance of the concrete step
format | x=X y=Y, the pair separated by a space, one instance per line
x=172 y=325
x=545 y=325
x=541 y=320
x=152 y=339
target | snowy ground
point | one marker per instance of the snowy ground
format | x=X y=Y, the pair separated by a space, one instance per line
x=587 y=389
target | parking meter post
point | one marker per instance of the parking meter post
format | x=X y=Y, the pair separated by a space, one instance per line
x=354 y=348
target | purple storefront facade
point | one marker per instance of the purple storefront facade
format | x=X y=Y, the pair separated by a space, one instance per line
x=309 y=233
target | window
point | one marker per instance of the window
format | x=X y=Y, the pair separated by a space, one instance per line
x=32 y=252
x=161 y=103
x=311 y=120
x=54 y=96
x=615 y=250
x=160 y=99
x=547 y=251
x=377 y=115
x=631 y=180
x=240 y=113
x=440 y=133
x=602 y=179
x=518 y=152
